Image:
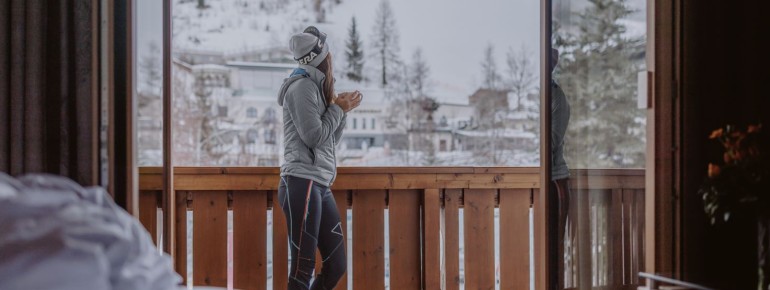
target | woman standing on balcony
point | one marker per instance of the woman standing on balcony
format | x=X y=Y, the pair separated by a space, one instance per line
x=313 y=120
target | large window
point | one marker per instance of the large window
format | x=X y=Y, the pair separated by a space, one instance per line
x=455 y=85
x=470 y=75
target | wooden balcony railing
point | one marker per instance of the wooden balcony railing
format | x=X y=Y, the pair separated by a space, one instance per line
x=423 y=215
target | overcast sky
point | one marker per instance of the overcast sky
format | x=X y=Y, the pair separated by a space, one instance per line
x=452 y=33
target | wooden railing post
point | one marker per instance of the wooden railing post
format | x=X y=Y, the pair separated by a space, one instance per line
x=431 y=235
x=181 y=234
x=479 y=232
x=249 y=242
x=404 y=236
x=514 y=251
x=369 y=239
x=452 y=238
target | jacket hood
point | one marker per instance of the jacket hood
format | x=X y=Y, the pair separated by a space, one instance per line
x=285 y=87
x=303 y=71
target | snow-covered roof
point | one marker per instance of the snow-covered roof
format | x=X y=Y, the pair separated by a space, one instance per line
x=261 y=65
x=504 y=133
x=209 y=66
x=522 y=115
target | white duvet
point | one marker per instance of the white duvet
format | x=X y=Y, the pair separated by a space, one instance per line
x=55 y=234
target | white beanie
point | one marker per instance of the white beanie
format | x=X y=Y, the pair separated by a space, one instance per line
x=309 y=47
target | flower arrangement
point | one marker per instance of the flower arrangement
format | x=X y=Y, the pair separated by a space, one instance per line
x=740 y=181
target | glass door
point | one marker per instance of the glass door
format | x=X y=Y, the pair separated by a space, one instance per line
x=596 y=189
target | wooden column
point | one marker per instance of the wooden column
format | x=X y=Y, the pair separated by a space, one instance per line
x=169 y=196
x=540 y=205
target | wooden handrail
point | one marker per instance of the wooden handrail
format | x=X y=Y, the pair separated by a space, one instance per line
x=181 y=170
x=266 y=178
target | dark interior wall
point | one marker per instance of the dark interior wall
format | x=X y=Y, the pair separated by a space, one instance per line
x=725 y=80
x=48 y=92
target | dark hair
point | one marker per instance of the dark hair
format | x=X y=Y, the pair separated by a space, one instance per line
x=328 y=86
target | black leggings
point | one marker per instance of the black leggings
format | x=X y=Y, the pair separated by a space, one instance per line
x=314 y=222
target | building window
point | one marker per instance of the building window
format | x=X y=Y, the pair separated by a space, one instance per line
x=252 y=136
x=442 y=146
x=373 y=124
x=363 y=123
x=354 y=123
x=222 y=110
x=251 y=112
x=270 y=136
x=269 y=116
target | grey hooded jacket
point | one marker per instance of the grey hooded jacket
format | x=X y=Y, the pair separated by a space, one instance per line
x=311 y=127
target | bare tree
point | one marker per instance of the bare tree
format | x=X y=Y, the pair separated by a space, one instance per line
x=520 y=78
x=491 y=77
x=385 y=42
x=150 y=77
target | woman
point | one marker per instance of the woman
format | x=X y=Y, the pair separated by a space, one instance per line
x=313 y=120
x=559 y=186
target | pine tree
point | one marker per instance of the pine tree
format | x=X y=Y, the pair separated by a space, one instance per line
x=385 y=42
x=354 y=52
x=489 y=69
x=598 y=74
x=420 y=73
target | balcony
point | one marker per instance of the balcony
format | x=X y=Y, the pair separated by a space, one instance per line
x=408 y=228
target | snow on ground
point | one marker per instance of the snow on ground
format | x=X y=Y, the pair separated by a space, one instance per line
x=378 y=156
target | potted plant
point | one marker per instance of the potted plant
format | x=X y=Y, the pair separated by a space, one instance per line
x=740 y=183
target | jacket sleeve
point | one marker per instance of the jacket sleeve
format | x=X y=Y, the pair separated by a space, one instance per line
x=314 y=124
x=340 y=128
x=558 y=124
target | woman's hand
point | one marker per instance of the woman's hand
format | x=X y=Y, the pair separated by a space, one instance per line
x=348 y=100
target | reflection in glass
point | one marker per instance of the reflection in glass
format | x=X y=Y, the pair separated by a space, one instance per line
x=600 y=49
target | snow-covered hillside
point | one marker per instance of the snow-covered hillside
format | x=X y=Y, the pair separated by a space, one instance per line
x=237 y=25
x=453 y=40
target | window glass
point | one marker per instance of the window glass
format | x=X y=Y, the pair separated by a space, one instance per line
x=469 y=77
